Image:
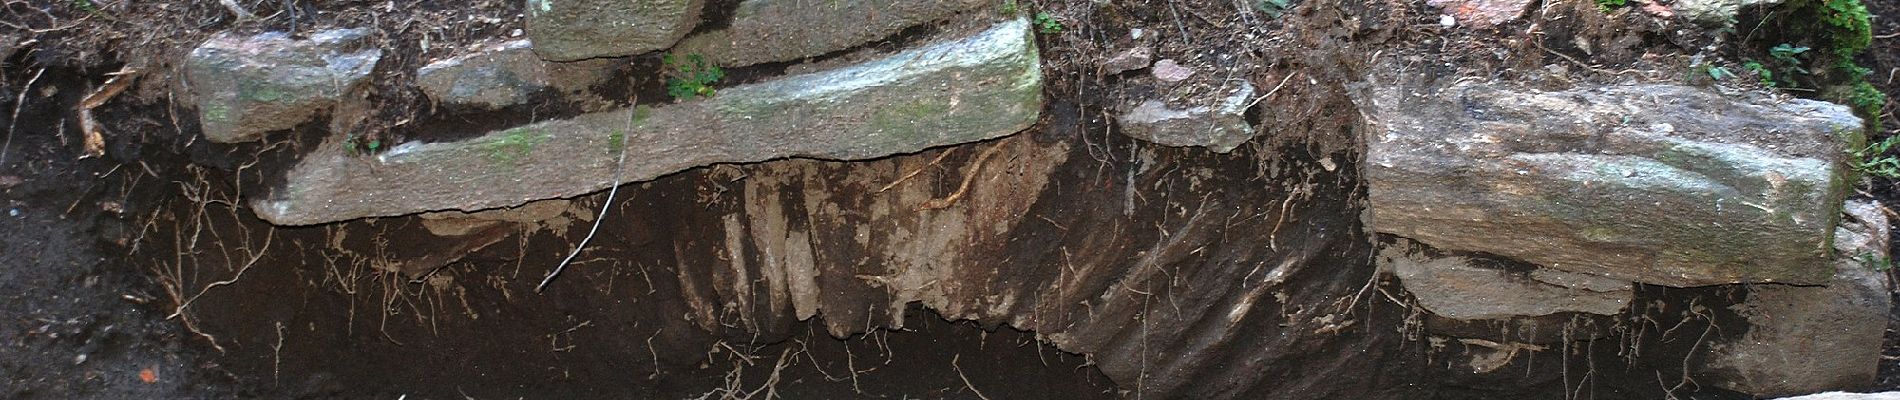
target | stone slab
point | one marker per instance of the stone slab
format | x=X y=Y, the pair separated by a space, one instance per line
x=569 y=30
x=1661 y=184
x=962 y=90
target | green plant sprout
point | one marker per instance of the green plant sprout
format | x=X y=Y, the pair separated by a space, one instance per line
x=1874 y=160
x=691 y=77
x=1785 y=53
x=1047 y=24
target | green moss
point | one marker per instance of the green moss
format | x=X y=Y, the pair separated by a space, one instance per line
x=514 y=144
x=217 y=111
x=901 y=122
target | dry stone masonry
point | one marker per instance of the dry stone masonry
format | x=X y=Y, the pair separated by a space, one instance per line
x=976 y=87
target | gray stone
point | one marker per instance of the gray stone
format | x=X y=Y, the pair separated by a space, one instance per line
x=504 y=75
x=1847 y=396
x=1810 y=339
x=1481 y=13
x=1220 y=127
x=1167 y=70
x=1456 y=287
x=246 y=86
x=764 y=31
x=968 y=89
x=1659 y=184
x=1128 y=60
x=568 y=30
x=1716 y=12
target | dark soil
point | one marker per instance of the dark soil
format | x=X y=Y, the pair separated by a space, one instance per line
x=100 y=252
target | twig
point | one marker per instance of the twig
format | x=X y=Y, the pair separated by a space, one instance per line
x=966 y=380
x=17 y=104
x=1276 y=89
x=940 y=157
x=611 y=191
x=232 y=5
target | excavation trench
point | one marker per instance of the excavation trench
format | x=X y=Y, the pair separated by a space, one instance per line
x=1064 y=260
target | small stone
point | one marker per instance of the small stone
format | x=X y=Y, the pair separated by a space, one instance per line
x=1127 y=60
x=1480 y=13
x=1447 y=21
x=1220 y=127
x=505 y=74
x=1168 y=71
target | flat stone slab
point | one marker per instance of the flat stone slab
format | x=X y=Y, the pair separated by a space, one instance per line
x=1658 y=184
x=245 y=86
x=1457 y=287
x=963 y=90
x=506 y=74
x=568 y=30
x=764 y=31
x=1220 y=126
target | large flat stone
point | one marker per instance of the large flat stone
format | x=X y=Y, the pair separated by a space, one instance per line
x=967 y=89
x=764 y=31
x=1659 y=184
x=1804 y=339
x=568 y=30
x=245 y=86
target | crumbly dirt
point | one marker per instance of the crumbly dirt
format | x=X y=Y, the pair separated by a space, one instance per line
x=103 y=251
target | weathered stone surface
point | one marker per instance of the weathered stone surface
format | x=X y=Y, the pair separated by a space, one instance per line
x=1847 y=396
x=568 y=30
x=246 y=86
x=1659 y=184
x=1482 y=13
x=1456 y=287
x=1167 y=70
x=1716 y=12
x=1220 y=127
x=1128 y=60
x=1810 y=339
x=764 y=31
x=505 y=74
x=973 y=88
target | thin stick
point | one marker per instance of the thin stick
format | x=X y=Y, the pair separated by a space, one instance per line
x=946 y=153
x=17 y=104
x=615 y=189
x=241 y=13
x=966 y=380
